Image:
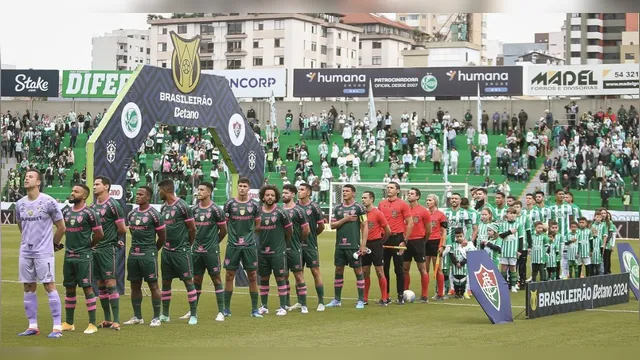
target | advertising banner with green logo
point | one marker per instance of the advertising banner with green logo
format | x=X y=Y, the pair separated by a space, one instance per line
x=409 y=82
x=629 y=264
x=93 y=83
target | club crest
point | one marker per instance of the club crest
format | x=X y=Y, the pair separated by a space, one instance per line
x=145 y=219
x=73 y=221
x=173 y=213
x=309 y=211
x=201 y=217
x=489 y=285
x=237 y=128
x=274 y=218
x=266 y=222
x=250 y=209
x=631 y=266
x=103 y=211
x=208 y=214
x=138 y=222
x=79 y=218
x=242 y=212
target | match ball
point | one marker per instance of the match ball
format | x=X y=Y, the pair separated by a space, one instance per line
x=409 y=296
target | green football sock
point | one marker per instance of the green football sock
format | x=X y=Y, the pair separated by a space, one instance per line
x=301 y=292
x=254 y=300
x=447 y=284
x=219 y=296
x=288 y=296
x=70 y=306
x=360 y=286
x=166 y=299
x=90 y=300
x=156 y=304
x=264 y=292
x=320 y=291
x=337 y=286
x=505 y=275
x=104 y=302
x=198 y=290
x=137 y=307
x=227 y=299
x=513 y=277
x=192 y=298
x=282 y=293
x=114 y=301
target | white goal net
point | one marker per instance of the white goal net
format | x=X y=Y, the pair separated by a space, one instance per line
x=442 y=190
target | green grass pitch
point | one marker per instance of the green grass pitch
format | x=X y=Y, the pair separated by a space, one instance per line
x=440 y=324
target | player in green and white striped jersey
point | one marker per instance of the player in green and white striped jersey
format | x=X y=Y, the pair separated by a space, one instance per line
x=585 y=247
x=553 y=255
x=575 y=209
x=500 y=210
x=492 y=243
x=600 y=236
x=562 y=212
x=458 y=258
x=571 y=244
x=539 y=212
x=538 y=249
x=559 y=239
x=486 y=218
x=480 y=196
x=457 y=217
x=512 y=235
x=474 y=220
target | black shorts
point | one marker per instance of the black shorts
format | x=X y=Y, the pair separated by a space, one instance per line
x=416 y=250
x=431 y=248
x=376 y=257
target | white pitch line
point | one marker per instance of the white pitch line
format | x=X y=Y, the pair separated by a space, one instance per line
x=355 y=299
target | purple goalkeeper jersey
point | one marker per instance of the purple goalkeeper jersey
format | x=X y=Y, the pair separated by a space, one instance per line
x=36 y=219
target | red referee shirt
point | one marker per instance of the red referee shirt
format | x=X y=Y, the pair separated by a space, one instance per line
x=395 y=212
x=377 y=223
x=421 y=218
x=437 y=218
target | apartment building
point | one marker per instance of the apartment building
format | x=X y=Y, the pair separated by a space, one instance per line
x=261 y=41
x=596 y=38
x=122 y=49
x=382 y=40
x=469 y=27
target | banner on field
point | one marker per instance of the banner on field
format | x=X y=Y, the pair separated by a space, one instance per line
x=548 y=298
x=581 y=80
x=409 y=82
x=30 y=83
x=629 y=264
x=108 y=84
x=488 y=287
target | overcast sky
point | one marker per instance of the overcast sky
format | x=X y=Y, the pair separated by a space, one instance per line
x=63 y=40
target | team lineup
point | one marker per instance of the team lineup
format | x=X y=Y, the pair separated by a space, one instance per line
x=266 y=239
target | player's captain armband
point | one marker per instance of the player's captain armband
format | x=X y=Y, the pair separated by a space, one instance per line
x=363 y=218
x=444 y=224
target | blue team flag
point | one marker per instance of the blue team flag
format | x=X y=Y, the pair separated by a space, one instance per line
x=488 y=287
x=629 y=263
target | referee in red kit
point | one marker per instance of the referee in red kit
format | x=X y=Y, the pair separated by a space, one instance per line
x=398 y=215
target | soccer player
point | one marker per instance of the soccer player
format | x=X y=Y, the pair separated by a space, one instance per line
x=538 y=249
x=512 y=234
x=435 y=244
x=310 y=256
x=457 y=217
x=600 y=234
x=575 y=209
x=416 y=243
x=81 y=223
x=350 y=223
x=501 y=209
x=398 y=215
x=211 y=228
x=104 y=257
x=379 y=232
x=145 y=225
x=474 y=220
x=458 y=256
x=294 y=252
x=243 y=220
x=176 y=259
x=585 y=247
x=275 y=237
x=480 y=195
x=521 y=264
x=562 y=213
x=539 y=211
x=36 y=213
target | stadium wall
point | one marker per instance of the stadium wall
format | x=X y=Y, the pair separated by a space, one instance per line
x=428 y=109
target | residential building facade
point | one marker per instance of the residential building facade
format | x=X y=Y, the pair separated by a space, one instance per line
x=261 y=41
x=121 y=50
x=630 y=48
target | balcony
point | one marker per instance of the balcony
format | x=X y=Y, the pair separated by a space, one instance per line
x=576 y=47
x=595 y=22
x=236 y=35
x=595 y=35
x=576 y=21
x=235 y=52
x=594 y=48
x=594 y=61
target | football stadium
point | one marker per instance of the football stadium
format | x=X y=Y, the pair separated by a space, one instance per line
x=173 y=207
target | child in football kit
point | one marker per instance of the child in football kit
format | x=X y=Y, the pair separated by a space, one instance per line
x=599 y=232
x=537 y=248
x=553 y=253
x=458 y=256
x=493 y=242
x=585 y=247
x=571 y=244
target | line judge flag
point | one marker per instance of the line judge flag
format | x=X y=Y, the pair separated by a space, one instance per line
x=629 y=263
x=488 y=287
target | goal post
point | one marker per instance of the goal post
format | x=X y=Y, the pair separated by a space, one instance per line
x=442 y=190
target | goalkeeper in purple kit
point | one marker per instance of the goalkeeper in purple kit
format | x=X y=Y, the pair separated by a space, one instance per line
x=36 y=213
